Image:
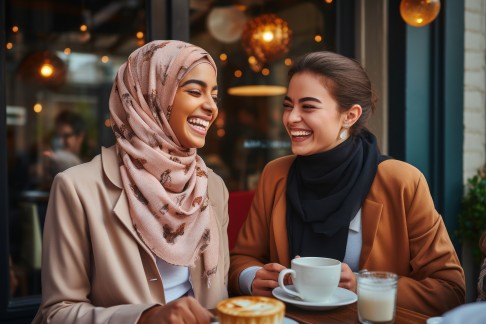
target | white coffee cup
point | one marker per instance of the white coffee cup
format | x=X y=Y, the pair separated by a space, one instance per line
x=314 y=278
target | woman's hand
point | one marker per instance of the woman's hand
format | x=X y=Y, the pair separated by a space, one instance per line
x=183 y=310
x=348 y=278
x=266 y=279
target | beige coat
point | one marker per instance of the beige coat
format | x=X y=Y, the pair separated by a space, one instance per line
x=95 y=267
x=401 y=232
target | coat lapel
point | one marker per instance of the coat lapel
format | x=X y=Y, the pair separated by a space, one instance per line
x=121 y=209
x=370 y=218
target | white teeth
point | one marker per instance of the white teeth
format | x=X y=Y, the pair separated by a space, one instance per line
x=203 y=124
x=300 y=133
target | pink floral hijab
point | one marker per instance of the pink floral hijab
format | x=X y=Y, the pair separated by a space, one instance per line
x=166 y=184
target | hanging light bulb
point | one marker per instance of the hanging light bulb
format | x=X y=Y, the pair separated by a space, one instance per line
x=419 y=13
x=47 y=69
x=266 y=38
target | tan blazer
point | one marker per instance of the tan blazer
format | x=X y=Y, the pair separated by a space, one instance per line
x=95 y=267
x=401 y=232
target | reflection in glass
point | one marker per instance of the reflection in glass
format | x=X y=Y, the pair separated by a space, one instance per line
x=249 y=131
x=61 y=58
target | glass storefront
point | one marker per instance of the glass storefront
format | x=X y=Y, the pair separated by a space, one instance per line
x=61 y=58
x=60 y=61
x=249 y=132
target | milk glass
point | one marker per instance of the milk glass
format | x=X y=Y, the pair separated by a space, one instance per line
x=377 y=297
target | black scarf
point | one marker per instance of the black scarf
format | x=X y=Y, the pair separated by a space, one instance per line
x=324 y=193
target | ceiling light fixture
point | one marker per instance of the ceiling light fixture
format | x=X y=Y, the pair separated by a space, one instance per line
x=419 y=13
x=266 y=37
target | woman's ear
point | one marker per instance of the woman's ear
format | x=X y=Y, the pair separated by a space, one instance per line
x=353 y=114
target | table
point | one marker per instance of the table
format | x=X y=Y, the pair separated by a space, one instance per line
x=346 y=314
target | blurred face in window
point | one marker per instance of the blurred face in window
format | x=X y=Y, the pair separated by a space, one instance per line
x=68 y=139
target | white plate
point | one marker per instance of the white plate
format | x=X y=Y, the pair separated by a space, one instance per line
x=340 y=297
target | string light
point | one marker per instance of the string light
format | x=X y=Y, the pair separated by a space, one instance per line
x=46 y=70
x=37 y=108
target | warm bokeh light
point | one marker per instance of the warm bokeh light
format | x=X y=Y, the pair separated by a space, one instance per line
x=15 y=29
x=219 y=122
x=37 y=107
x=328 y=1
x=318 y=38
x=83 y=28
x=223 y=57
x=105 y=59
x=9 y=45
x=220 y=132
x=108 y=122
x=46 y=70
x=267 y=36
x=265 y=72
x=139 y=35
x=419 y=13
x=238 y=73
x=67 y=51
x=288 y=61
x=252 y=60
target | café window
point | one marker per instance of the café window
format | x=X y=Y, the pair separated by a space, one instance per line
x=60 y=59
x=254 y=43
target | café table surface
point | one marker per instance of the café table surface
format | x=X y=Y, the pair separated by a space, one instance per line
x=346 y=314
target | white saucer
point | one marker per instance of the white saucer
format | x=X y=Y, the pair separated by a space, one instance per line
x=340 y=297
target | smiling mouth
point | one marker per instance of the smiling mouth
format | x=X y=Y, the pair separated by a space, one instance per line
x=198 y=124
x=300 y=134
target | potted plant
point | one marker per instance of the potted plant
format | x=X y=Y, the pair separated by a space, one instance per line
x=472 y=217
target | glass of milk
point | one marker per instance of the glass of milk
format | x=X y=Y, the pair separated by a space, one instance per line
x=377 y=296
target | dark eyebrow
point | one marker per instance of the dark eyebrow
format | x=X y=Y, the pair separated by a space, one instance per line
x=201 y=83
x=309 y=99
x=304 y=99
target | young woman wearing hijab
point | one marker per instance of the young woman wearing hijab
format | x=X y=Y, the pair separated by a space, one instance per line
x=139 y=233
x=338 y=197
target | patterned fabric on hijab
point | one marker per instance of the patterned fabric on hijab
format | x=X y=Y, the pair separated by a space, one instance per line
x=166 y=184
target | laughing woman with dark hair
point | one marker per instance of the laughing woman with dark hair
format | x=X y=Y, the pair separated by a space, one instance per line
x=338 y=197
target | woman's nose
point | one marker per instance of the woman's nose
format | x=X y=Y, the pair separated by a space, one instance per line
x=210 y=105
x=294 y=115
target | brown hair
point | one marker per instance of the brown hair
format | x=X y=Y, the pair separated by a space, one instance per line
x=345 y=79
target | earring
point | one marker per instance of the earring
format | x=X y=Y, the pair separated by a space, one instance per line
x=344 y=133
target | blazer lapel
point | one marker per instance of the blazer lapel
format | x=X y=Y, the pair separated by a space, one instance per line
x=370 y=218
x=279 y=224
x=111 y=169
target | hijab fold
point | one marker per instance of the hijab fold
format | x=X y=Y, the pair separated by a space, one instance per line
x=166 y=184
x=325 y=192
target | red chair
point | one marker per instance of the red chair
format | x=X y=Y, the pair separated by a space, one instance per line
x=239 y=203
